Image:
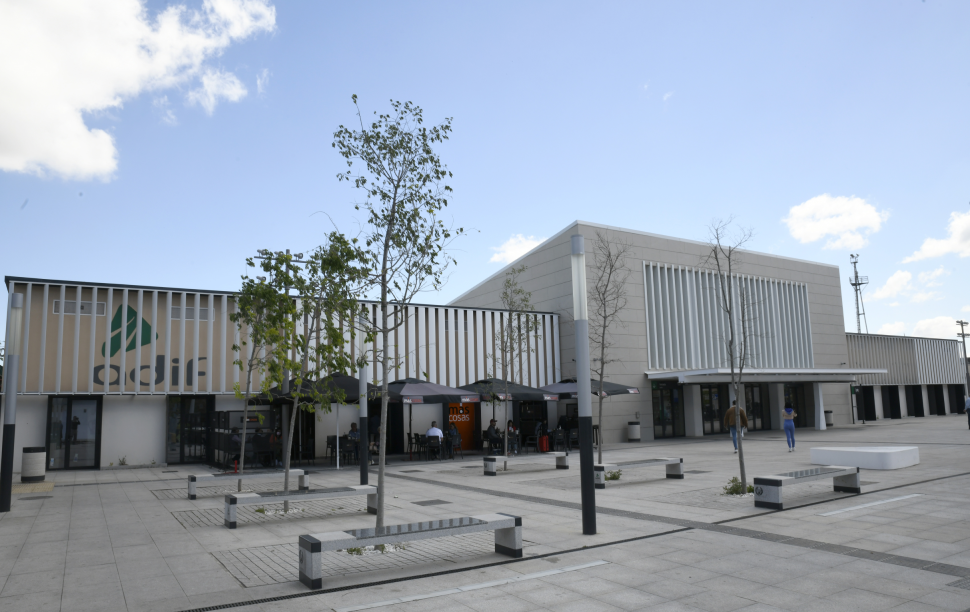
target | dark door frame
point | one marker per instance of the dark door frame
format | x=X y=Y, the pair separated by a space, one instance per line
x=70 y=411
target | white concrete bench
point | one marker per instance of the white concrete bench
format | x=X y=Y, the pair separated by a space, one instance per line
x=223 y=478
x=675 y=468
x=867 y=457
x=234 y=500
x=562 y=461
x=507 y=528
x=767 y=489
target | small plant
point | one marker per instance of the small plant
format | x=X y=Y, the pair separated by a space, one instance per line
x=733 y=487
x=261 y=510
x=614 y=475
x=111 y=464
x=153 y=462
x=123 y=460
x=355 y=551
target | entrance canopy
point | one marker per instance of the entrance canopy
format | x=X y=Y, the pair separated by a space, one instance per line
x=765 y=375
x=349 y=384
x=569 y=388
x=508 y=391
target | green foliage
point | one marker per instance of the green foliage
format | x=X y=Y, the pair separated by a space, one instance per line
x=734 y=487
x=123 y=460
x=261 y=510
x=614 y=475
x=355 y=551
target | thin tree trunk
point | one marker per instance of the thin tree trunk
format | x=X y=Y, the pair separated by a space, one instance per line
x=286 y=457
x=242 y=444
x=600 y=394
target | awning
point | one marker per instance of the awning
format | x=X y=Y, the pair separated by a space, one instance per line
x=416 y=391
x=764 y=375
x=569 y=388
x=508 y=391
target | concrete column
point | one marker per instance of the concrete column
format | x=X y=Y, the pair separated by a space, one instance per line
x=877 y=396
x=819 y=406
x=693 y=416
x=776 y=404
x=903 y=407
x=926 y=400
x=947 y=409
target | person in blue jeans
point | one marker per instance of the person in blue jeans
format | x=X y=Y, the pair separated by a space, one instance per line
x=731 y=421
x=789 y=414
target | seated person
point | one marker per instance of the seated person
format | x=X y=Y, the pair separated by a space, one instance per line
x=513 y=435
x=434 y=432
x=375 y=448
x=493 y=436
x=454 y=440
x=353 y=434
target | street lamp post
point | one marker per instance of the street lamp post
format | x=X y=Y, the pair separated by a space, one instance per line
x=364 y=451
x=585 y=399
x=966 y=373
x=11 y=377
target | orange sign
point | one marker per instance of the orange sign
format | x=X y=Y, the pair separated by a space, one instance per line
x=463 y=416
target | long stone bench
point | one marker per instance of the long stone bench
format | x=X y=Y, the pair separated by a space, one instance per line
x=675 y=468
x=507 y=528
x=767 y=489
x=562 y=461
x=234 y=500
x=195 y=479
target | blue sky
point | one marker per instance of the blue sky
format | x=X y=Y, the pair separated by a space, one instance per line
x=653 y=116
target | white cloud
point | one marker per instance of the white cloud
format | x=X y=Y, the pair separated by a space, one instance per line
x=930 y=278
x=894 y=303
x=515 y=247
x=893 y=329
x=845 y=221
x=668 y=95
x=965 y=309
x=162 y=105
x=215 y=85
x=957 y=240
x=74 y=58
x=896 y=284
x=937 y=327
x=262 y=81
x=925 y=296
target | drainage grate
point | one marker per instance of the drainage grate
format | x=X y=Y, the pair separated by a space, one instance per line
x=961 y=584
x=431 y=502
x=37 y=497
x=170 y=471
x=697 y=472
x=411 y=471
x=469 y=466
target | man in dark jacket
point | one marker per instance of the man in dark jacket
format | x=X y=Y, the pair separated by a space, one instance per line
x=730 y=421
x=494 y=439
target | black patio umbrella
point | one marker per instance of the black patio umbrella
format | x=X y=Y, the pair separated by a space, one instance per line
x=412 y=391
x=349 y=384
x=569 y=388
x=508 y=391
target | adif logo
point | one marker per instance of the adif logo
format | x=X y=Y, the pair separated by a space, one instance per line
x=130 y=332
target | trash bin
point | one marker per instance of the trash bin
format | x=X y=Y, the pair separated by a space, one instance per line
x=828 y=418
x=633 y=431
x=32 y=465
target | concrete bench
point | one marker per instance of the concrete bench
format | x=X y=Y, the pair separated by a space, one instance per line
x=767 y=489
x=675 y=468
x=867 y=457
x=195 y=479
x=234 y=500
x=562 y=461
x=507 y=528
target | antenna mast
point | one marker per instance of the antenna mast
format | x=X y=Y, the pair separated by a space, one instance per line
x=858 y=282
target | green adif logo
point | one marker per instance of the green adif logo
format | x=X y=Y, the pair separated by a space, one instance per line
x=130 y=335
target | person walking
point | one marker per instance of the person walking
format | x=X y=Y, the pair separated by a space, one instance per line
x=789 y=414
x=966 y=407
x=731 y=421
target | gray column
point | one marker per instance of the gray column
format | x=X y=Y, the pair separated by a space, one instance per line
x=903 y=406
x=819 y=406
x=926 y=400
x=776 y=404
x=947 y=409
x=693 y=418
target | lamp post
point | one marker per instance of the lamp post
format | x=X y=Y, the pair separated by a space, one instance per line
x=966 y=374
x=585 y=399
x=364 y=451
x=11 y=376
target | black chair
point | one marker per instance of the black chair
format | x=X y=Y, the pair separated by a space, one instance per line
x=573 y=438
x=558 y=440
x=434 y=447
x=332 y=449
x=261 y=450
x=532 y=441
x=454 y=443
x=421 y=444
x=412 y=444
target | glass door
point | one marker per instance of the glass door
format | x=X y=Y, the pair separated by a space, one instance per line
x=668 y=413
x=756 y=405
x=712 y=408
x=73 y=433
x=187 y=429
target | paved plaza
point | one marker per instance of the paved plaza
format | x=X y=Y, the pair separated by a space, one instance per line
x=130 y=540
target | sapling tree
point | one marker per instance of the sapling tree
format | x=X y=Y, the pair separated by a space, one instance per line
x=724 y=258
x=263 y=318
x=513 y=337
x=607 y=299
x=393 y=164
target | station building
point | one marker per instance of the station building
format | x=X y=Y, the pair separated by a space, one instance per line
x=144 y=375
